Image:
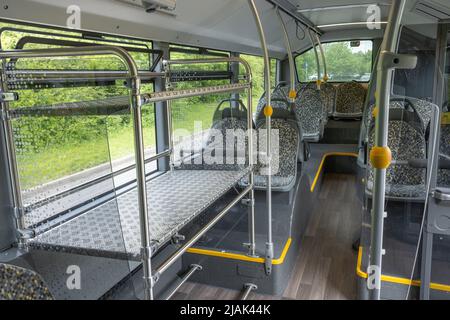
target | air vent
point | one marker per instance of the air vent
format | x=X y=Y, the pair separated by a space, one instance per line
x=434 y=9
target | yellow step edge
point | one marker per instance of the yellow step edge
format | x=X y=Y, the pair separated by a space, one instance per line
x=391 y=279
x=322 y=163
x=242 y=257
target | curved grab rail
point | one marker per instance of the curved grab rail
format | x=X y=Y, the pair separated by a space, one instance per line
x=292 y=93
x=316 y=54
x=324 y=60
x=135 y=102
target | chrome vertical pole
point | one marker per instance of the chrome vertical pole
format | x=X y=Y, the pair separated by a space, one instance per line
x=384 y=81
x=170 y=133
x=252 y=236
x=324 y=60
x=146 y=252
x=316 y=54
x=268 y=113
x=287 y=44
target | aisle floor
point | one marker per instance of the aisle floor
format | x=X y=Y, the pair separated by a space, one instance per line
x=326 y=262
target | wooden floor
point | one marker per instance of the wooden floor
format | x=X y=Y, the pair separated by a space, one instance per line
x=326 y=262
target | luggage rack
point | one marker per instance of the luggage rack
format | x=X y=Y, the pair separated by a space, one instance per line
x=142 y=235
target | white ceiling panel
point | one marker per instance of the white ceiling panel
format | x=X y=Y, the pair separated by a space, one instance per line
x=218 y=24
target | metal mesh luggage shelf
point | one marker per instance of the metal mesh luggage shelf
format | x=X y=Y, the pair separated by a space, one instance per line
x=112 y=229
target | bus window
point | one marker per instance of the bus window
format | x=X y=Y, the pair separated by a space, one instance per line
x=346 y=61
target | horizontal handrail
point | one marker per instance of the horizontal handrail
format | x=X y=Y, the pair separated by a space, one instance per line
x=194 y=92
x=211 y=60
x=73 y=52
x=49 y=75
x=119 y=104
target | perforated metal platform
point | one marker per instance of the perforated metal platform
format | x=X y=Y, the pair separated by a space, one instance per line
x=112 y=229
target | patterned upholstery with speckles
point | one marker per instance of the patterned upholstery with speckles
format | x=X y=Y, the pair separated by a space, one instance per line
x=279 y=100
x=328 y=93
x=22 y=284
x=350 y=98
x=424 y=109
x=444 y=151
x=227 y=126
x=310 y=112
x=406 y=141
x=285 y=162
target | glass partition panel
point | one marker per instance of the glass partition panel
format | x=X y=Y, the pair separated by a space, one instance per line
x=61 y=136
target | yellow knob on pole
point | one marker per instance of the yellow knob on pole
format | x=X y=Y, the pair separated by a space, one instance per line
x=268 y=111
x=380 y=157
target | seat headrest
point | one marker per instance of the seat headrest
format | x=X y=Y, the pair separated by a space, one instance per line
x=234 y=113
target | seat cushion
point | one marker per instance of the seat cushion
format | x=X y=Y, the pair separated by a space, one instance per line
x=22 y=284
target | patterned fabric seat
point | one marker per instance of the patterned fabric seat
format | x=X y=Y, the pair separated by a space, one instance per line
x=328 y=94
x=232 y=122
x=424 y=109
x=350 y=97
x=406 y=139
x=279 y=100
x=22 y=284
x=284 y=154
x=310 y=112
x=443 y=179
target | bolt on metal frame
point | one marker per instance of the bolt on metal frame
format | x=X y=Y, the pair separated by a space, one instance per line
x=136 y=102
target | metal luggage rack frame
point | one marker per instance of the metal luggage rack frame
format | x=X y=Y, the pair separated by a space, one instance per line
x=136 y=100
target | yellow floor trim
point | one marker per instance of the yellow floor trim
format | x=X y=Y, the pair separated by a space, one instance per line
x=405 y=281
x=242 y=257
x=322 y=163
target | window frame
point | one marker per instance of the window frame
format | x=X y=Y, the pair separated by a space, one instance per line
x=372 y=63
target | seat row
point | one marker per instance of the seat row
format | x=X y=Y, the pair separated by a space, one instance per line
x=316 y=103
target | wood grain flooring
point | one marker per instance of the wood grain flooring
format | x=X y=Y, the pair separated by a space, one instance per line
x=326 y=262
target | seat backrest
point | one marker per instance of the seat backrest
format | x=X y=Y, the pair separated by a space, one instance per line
x=310 y=112
x=22 y=284
x=350 y=98
x=278 y=99
x=444 y=149
x=287 y=152
x=328 y=93
x=406 y=139
x=225 y=121
x=423 y=108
